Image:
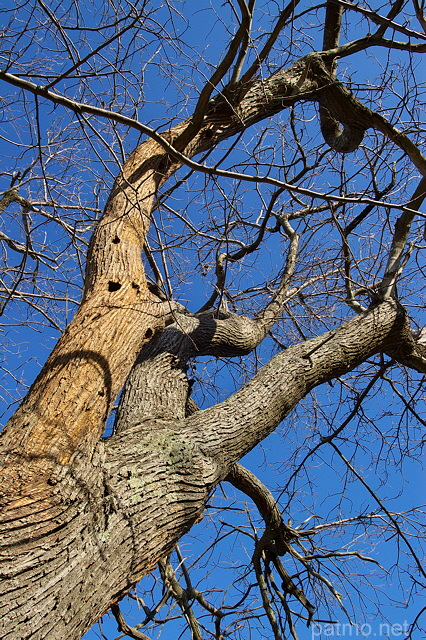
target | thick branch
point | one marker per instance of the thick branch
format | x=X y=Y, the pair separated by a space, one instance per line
x=232 y=428
x=157 y=478
x=158 y=385
x=74 y=392
x=347 y=139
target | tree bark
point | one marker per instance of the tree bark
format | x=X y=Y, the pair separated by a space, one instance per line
x=103 y=526
x=83 y=520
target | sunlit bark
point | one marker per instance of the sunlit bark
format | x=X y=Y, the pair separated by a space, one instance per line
x=83 y=519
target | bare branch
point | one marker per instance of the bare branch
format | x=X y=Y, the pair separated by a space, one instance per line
x=284 y=17
x=124 y=627
x=402 y=229
x=180 y=596
x=420 y=14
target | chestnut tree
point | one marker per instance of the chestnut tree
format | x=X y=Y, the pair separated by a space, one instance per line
x=238 y=185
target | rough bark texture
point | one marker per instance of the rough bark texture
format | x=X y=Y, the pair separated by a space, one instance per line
x=83 y=520
x=104 y=525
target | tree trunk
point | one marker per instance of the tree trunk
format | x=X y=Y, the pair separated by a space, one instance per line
x=82 y=540
x=83 y=520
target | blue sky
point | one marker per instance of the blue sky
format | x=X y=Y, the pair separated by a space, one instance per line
x=375 y=440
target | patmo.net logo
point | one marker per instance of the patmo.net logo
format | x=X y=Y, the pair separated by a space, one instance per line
x=347 y=630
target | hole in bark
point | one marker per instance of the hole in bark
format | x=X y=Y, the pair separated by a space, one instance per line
x=163 y=166
x=136 y=286
x=148 y=333
x=116 y=240
x=113 y=286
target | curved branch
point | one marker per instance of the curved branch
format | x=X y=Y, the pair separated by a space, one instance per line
x=232 y=428
x=275 y=541
x=402 y=229
x=349 y=138
x=307 y=78
x=158 y=386
x=124 y=627
x=244 y=480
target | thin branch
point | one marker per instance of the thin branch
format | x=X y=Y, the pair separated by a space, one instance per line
x=398 y=529
x=269 y=315
x=244 y=44
x=331 y=436
x=402 y=229
x=350 y=297
x=244 y=251
x=180 y=596
x=419 y=14
x=264 y=593
x=124 y=627
x=285 y=15
x=92 y=53
x=196 y=120
x=220 y=283
x=388 y=21
x=384 y=22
